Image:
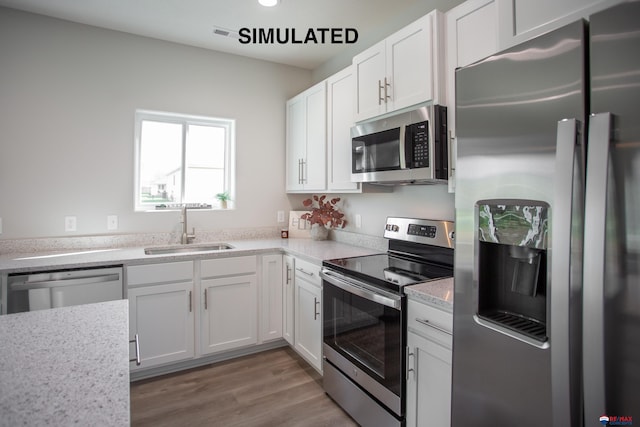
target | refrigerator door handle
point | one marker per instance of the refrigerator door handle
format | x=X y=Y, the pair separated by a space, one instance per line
x=566 y=218
x=594 y=255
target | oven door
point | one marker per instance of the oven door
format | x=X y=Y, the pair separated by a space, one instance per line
x=364 y=336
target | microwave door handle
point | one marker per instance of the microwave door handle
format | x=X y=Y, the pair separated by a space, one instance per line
x=403 y=156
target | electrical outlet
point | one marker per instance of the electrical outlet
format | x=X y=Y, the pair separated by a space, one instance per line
x=280 y=216
x=70 y=223
x=358 y=221
x=112 y=222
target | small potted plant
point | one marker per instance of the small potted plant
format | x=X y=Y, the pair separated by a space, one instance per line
x=224 y=198
x=323 y=216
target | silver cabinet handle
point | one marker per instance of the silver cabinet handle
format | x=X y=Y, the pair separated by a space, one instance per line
x=596 y=222
x=426 y=322
x=304 y=171
x=315 y=308
x=190 y=301
x=310 y=274
x=386 y=86
x=288 y=275
x=410 y=354
x=299 y=171
x=137 y=358
x=205 y=298
x=380 y=98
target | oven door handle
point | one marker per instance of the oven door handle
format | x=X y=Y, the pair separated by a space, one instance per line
x=360 y=289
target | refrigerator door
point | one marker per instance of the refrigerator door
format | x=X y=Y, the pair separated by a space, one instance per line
x=508 y=111
x=612 y=220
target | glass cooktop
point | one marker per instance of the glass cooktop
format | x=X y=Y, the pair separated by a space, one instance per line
x=389 y=271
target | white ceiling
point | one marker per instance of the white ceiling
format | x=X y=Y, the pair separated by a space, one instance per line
x=191 y=22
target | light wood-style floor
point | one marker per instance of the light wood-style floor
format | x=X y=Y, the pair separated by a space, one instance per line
x=273 y=388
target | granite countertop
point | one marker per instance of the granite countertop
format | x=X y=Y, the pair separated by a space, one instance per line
x=435 y=292
x=311 y=250
x=66 y=366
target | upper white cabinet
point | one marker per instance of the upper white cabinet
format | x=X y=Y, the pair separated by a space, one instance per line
x=402 y=70
x=339 y=122
x=306 y=140
x=472 y=34
x=521 y=20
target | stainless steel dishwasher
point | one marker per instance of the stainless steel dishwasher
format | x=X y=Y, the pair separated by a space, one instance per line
x=63 y=288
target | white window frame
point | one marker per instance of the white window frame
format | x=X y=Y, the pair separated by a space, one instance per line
x=185 y=121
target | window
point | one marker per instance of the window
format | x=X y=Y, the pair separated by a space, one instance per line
x=182 y=160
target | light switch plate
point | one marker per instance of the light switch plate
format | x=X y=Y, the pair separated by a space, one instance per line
x=70 y=223
x=280 y=216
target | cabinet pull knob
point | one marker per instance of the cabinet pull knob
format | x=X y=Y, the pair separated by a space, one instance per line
x=137 y=358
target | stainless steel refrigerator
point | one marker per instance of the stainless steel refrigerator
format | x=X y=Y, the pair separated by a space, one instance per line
x=547 y=281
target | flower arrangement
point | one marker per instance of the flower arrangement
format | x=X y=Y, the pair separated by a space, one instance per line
x=324 y=212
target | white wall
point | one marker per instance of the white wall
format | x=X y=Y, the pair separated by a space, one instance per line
x=68 y=93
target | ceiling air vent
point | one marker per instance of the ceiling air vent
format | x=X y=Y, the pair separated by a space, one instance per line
x=219 y=31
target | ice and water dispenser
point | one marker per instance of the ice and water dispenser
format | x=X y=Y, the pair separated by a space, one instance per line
x=512 y=266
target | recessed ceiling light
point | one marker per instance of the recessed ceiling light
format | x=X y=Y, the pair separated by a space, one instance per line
x=268 y=3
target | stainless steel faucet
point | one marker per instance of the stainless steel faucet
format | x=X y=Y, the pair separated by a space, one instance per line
x=186 y=237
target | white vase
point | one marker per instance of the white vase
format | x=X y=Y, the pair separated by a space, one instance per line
x=319 y=232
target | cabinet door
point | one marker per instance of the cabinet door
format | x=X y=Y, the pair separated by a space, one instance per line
x=314 y=170
x=229 y=313
x=521 y=20
x=287 y=298
x=369 y=70
x=429 y=383
x=271 y=287
x=296 y=141
x=472 y=34
x=410 y=64
x=339 y=122
x=308 y=327
x=163 y=318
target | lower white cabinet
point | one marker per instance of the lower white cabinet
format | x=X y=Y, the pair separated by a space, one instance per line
x=162 y=315
x=229 y=309
x=429 y=342
x=229 y=313
x=308 y=313
x=271 y=291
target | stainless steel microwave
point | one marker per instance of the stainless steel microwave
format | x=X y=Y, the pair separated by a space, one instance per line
x=411 y=147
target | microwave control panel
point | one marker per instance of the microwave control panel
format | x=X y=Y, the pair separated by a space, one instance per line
x=419 y=134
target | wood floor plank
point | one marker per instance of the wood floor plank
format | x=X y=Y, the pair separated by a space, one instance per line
x=272 y=388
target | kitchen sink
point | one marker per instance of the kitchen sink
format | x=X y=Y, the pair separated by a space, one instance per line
x=181 y=249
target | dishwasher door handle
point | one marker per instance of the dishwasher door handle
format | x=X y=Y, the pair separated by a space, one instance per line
x=87 y=280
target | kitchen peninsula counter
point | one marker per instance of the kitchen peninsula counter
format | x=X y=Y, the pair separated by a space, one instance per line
x=66 y=366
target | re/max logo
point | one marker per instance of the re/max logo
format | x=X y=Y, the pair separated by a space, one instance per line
x=289 y=36
x=614 y=420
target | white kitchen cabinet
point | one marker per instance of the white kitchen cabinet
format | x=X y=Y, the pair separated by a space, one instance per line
x=161 y=312
x=472 y=34
x=271 y=291
x=229 y=292
x=306 y=143
x=288 y=298
x=429 y=342
x=339 y=122
x=522 y=20
x=308 y=313
x=403 y=70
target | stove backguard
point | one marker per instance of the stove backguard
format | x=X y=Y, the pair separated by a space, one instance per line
x=512 y=266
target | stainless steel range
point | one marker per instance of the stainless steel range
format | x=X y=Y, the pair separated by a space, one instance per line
x=364 y=330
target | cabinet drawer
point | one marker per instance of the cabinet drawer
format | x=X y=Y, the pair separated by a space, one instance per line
x=308 y=271
x=159 y=273
x=228 y=266
x=430 y=322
